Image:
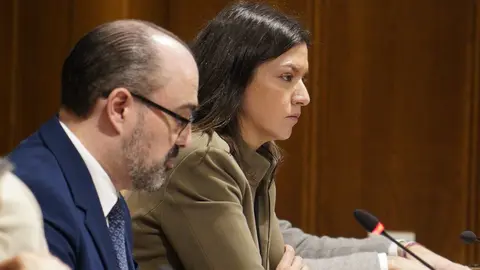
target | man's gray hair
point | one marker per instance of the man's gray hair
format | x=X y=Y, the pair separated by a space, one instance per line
x=5 y=166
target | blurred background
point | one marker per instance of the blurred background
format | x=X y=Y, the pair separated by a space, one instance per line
x=393 y=126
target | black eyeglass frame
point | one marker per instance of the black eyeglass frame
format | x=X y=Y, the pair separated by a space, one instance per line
x=183 y=122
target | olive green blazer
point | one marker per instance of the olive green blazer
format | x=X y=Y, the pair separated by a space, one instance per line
x=212 y=213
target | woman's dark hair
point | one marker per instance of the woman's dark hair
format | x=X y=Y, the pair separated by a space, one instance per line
x=228 y=50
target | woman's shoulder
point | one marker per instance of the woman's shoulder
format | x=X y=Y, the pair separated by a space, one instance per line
x=206 y=152
x=203 y=143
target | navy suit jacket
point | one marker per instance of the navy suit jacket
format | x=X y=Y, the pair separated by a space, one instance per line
x=75 y=226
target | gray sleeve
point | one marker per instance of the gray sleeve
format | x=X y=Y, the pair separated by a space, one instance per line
x=314 y=247
x=358 y=261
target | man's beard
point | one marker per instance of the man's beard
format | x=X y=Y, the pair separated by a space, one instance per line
x=145 y=177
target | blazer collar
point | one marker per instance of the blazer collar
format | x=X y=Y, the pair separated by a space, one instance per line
x=256 y=163
x=81 y=187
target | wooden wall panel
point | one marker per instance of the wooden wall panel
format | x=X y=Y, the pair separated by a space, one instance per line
x=87 y=14
x=156 y=11
x=187 y=18
x=473 y=216
x=41 y=45
x=7 y=43
x=397 y=126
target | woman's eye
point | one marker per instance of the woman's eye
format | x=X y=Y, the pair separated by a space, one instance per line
x=287 y=77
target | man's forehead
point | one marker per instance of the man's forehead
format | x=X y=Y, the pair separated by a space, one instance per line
x=178 y=96
x=179 y=75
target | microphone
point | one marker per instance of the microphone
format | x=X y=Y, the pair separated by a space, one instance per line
x=373 y=225
x=469 y=237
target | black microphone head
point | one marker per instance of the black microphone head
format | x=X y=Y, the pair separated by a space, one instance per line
x=468 y=237
x=368 y=221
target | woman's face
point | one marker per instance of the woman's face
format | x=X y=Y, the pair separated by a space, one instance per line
x=274 y=98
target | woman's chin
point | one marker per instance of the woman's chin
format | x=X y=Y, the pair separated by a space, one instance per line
x=285 y=135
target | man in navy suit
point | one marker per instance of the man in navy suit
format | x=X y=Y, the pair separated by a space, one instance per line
x=129 y=89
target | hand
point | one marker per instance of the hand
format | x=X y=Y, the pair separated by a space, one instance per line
x=438 y=262
x=291 y=262
x=399 y=263
x=33 y=261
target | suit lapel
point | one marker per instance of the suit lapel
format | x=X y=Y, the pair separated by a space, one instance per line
x=81 y=187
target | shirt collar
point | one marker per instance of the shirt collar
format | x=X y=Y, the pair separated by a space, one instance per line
x=106 y=191
x=255 y=162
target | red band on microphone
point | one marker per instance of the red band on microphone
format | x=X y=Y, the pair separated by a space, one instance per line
x=379 y=229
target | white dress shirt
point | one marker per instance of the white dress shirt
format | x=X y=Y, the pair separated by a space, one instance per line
x=106 y=191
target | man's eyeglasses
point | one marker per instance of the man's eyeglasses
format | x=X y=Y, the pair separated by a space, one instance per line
x=182 y=122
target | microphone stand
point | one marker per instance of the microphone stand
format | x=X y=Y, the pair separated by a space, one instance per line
x=407 y=250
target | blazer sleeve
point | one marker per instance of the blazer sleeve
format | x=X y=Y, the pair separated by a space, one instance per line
x=202 y=213
x=314 y=247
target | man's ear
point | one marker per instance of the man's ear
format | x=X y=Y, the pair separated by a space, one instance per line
x=119 y=106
